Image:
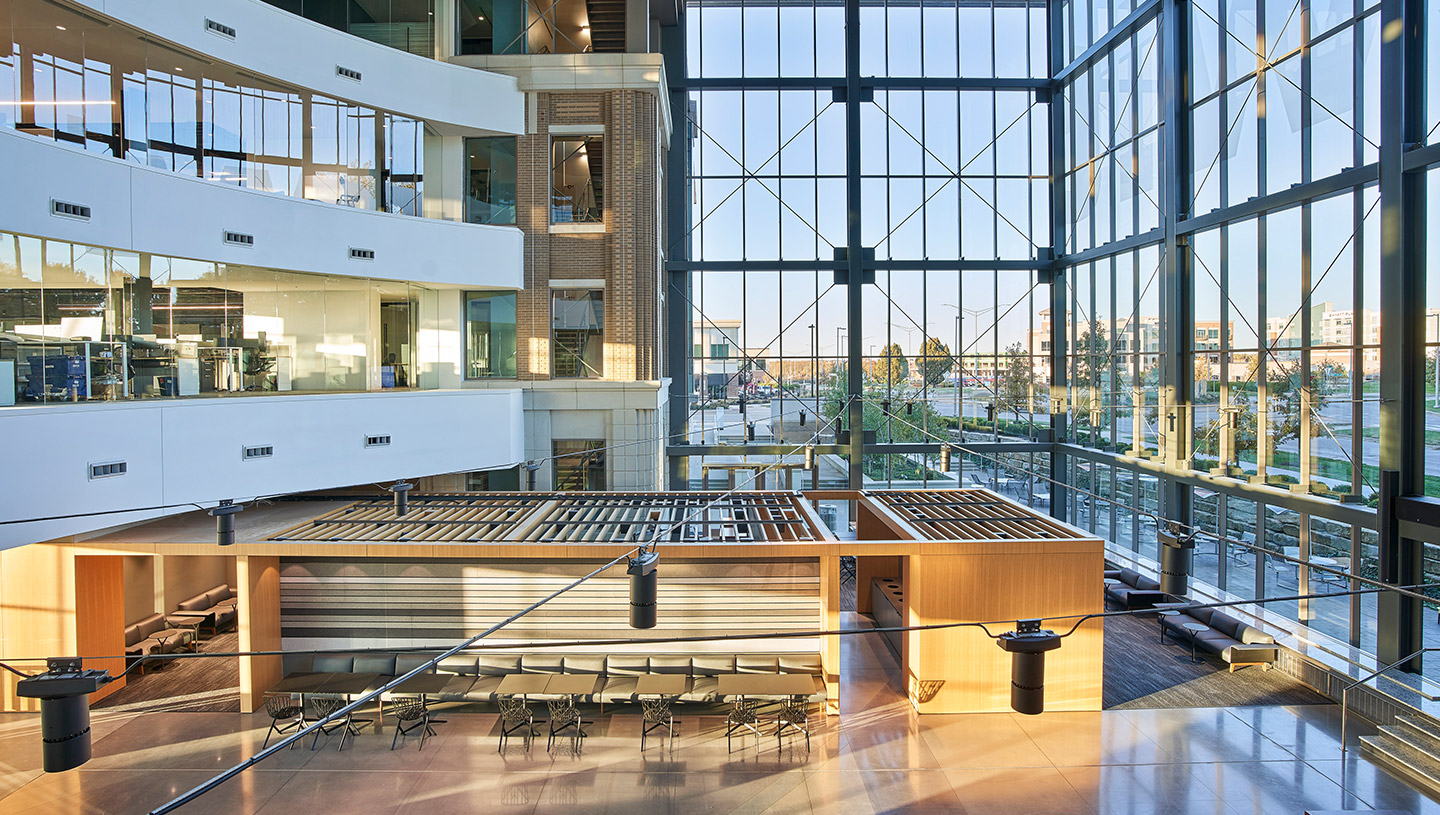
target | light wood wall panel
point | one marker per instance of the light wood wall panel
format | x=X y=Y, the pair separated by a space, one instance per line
x=258 y=612
x=869 y=567
x=388 y=603
x=961 y=670
x=37 y=612
x=100 y=616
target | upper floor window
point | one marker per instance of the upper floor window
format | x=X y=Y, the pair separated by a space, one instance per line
x=577 y=332
x=533 y=27
x=490 y=180
x=489 y=335
x=577 y=179
x=408 y=25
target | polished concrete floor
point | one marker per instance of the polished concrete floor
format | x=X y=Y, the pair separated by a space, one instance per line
x=875 y=757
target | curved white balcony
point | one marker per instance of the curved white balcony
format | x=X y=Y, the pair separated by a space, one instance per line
x=452 y=99
x=140 y=209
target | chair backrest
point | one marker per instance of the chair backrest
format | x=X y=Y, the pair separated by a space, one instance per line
x=499 y=664
x=799 y=663
x=462 y=666
x=325 y=704
x=627 y=665
x=584 y=664
x=280 y=706
x=149 y=625
x=713 y=664
x=670 y=665
x=514 y=710
x=407 y=708
x=199 y=602
x=562 y=712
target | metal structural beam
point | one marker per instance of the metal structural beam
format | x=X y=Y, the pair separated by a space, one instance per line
x=855 y=279
x=1175 y=283
x=676 y=295
x=1402 y=332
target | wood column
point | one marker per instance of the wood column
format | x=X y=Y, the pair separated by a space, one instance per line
x=830 y=621
x=100 y=616
x=257 y=579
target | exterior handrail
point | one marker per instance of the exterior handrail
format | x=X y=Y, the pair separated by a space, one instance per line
x=1345 y=692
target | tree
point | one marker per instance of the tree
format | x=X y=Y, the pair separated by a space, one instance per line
x=1012 y=385
x=935 y=361
x=892 y=369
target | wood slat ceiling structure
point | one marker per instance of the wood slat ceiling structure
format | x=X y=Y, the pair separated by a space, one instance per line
x=970 y=515
x=568 y=518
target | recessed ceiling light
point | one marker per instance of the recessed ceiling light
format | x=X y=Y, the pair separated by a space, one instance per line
x=585 y=27
x=481 y=17
x=179 y=70
x=61 y=28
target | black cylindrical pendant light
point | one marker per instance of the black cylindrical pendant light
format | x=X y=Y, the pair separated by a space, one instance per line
x=225 y=521
x=402 y=497
x=644 y=589
x=1027 y=645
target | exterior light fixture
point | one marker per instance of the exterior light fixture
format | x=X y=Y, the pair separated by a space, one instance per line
x=225 y=521
x=750 y=432
x=402 y=490
x=802 y=418
x=644 y=588
x=1027 y=645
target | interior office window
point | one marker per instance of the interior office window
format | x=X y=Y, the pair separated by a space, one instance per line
x=579 y=465
x=518 y=27
x=493 y=480
x=577 y=180
x=490 y=180
x=577 y=328
x=489 y=335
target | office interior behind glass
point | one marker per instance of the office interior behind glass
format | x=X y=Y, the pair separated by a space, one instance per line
x=80 y=323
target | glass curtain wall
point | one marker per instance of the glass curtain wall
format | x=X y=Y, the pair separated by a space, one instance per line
x=118 y=93
x=953 y=180
x=408 y=25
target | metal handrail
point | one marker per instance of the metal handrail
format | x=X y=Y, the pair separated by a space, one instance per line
x=1345 y=692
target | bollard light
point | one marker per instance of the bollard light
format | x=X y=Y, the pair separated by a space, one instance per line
x=1027 y=645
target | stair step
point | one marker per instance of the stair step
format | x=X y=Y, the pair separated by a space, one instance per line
x=1404 y=756
x=1423 y=726
x=1424 y=742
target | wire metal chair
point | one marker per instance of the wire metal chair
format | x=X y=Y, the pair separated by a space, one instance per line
x=794 y=714
x=285 y=715
x=325 y=705
x=515 y=715
x=411 y=714
x=742 y=717
x=564 y=715
x=656 y=714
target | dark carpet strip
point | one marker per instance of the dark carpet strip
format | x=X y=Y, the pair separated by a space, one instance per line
x=206 y=685
x=1142 y=673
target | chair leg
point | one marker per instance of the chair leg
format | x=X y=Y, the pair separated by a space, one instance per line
x=396 y=738
x=272 y=729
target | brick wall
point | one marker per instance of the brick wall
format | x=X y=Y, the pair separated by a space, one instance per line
x=625 y=255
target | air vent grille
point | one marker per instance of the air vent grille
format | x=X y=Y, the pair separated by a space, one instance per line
x=348 y=73
x=362 y=254
x=69 y=210
x=377 y=441
x=239 y=239
x=108 y=469
x=219 y=28
x=258 y=451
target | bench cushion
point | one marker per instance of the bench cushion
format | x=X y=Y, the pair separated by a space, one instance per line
x=800 y=664
x=627 y=665
x=756 y=664
x=484 y=689
x=542 y=664
x=1249 y=654
x=713 y=664
x=670 y=665
x=456 y=689
x=332 y=663
x=405 y=663
x=584 y=664
x=459 y=665
x=375 y=664
x=702 y=689
x=619 y=689
x=499 y=664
